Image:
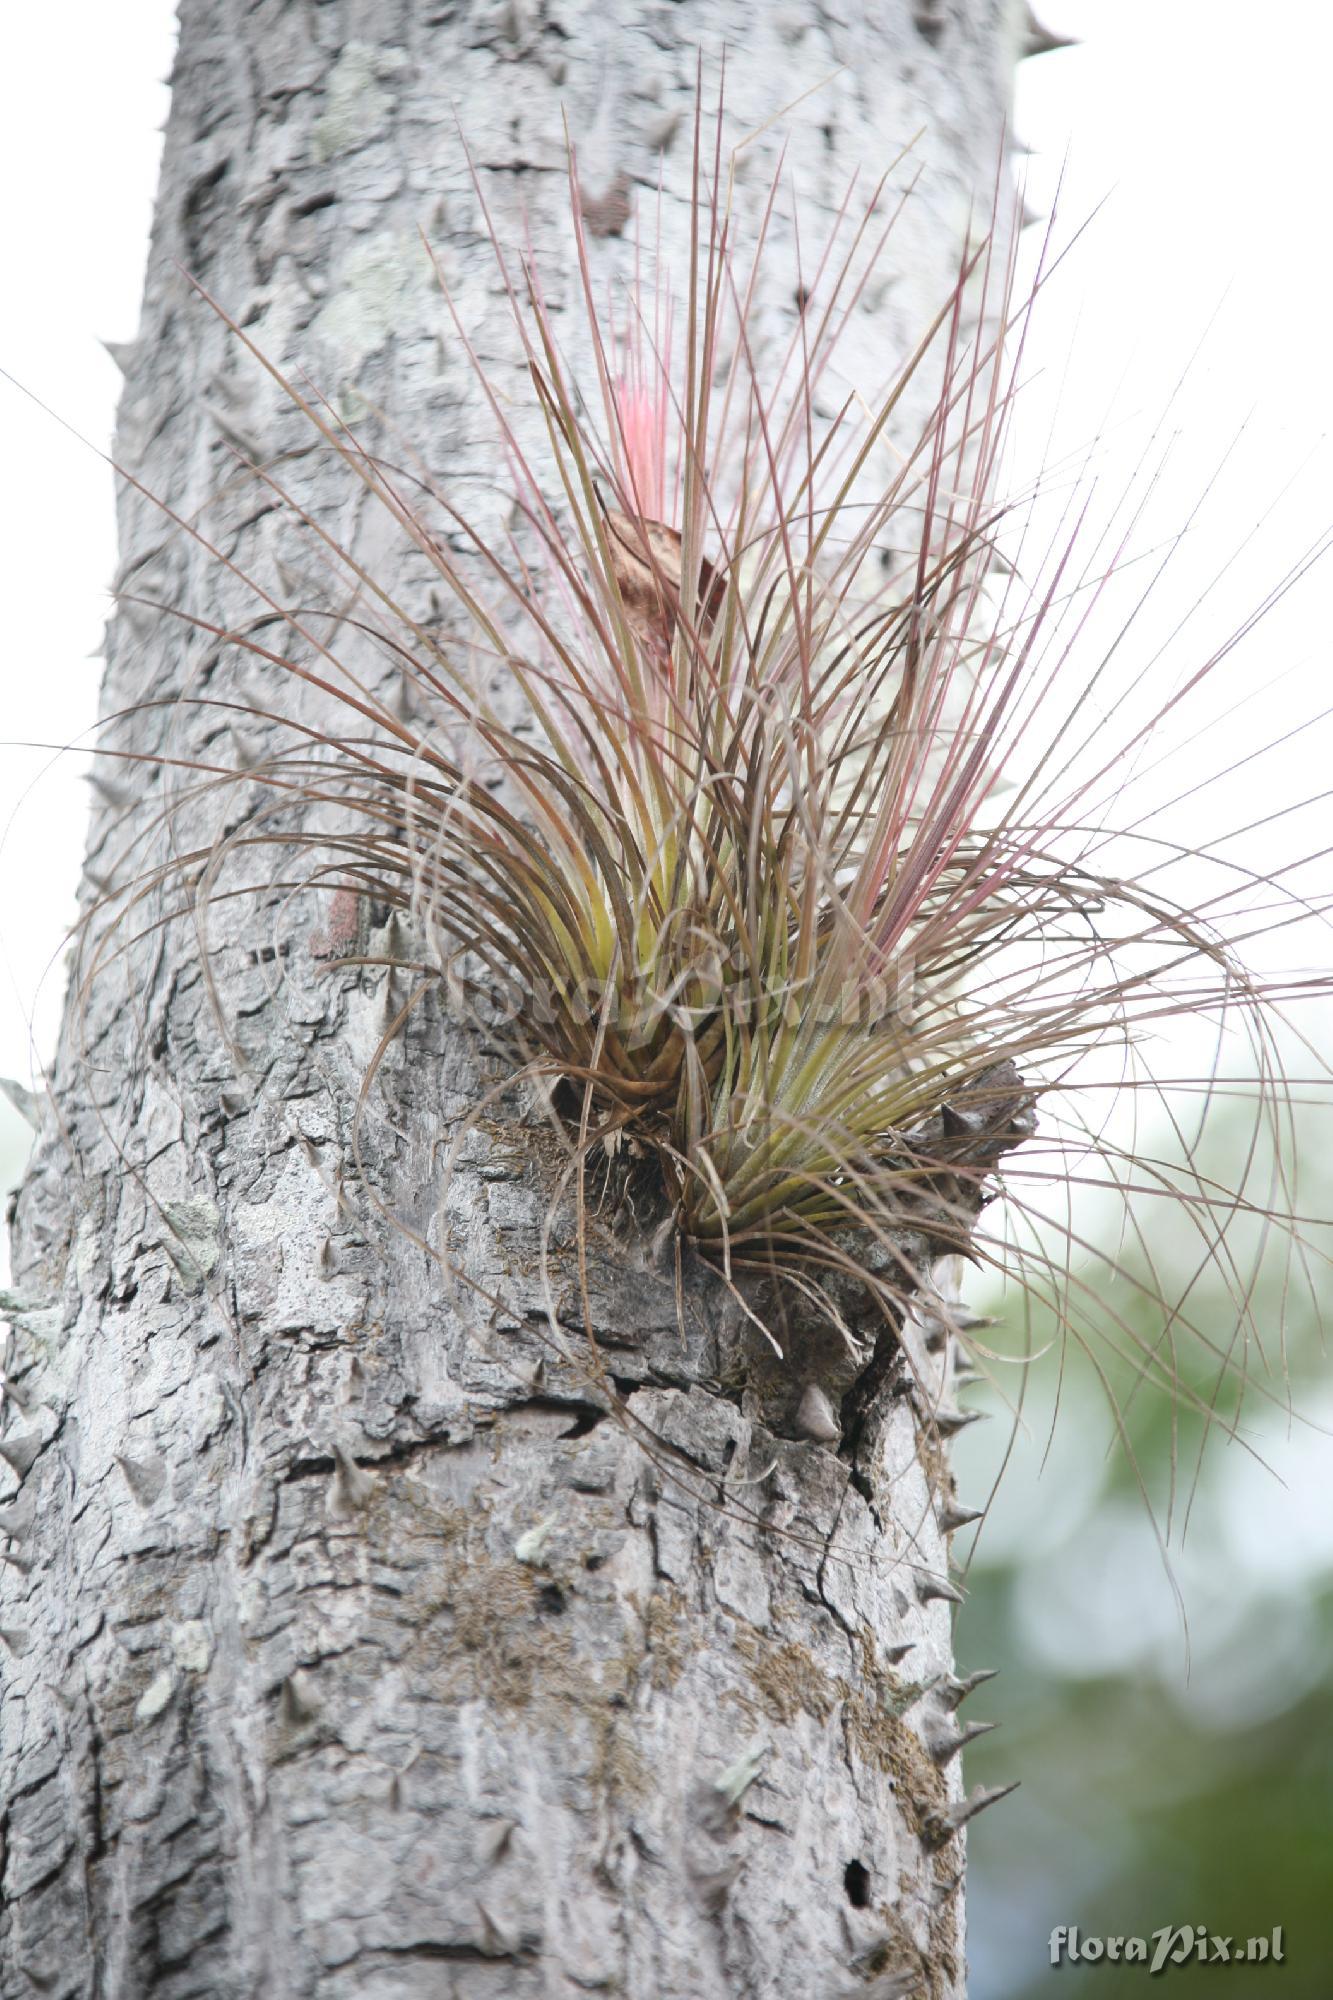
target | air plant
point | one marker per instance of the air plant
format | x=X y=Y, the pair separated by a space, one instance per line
x=782 y=852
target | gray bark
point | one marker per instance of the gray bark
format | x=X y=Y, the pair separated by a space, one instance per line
x=350 y=1648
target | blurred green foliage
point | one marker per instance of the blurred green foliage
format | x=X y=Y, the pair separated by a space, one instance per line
x=1159 y=1598
x=1134 y=1814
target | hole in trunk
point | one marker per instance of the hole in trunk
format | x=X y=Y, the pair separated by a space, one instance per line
x=856 y=1881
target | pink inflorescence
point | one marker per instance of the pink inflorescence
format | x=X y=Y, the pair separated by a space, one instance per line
x=641 y=446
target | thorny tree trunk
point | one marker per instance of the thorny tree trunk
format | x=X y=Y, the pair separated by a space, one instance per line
x=289 y=1705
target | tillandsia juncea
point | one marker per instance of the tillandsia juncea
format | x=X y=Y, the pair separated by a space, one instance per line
x=745 y=789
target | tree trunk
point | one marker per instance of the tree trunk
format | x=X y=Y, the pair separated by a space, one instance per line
x=350 y=1647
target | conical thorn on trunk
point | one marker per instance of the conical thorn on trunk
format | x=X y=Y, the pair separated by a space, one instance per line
x=928 y=1587
x=1039 y=40
x=942 y=1826
x=946 y=1746
x=953 y=1692
x=351 y=1488
x=20 y=1451
x=949 y=1422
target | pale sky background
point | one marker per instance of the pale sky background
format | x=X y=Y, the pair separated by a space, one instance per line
x=1201 y=130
